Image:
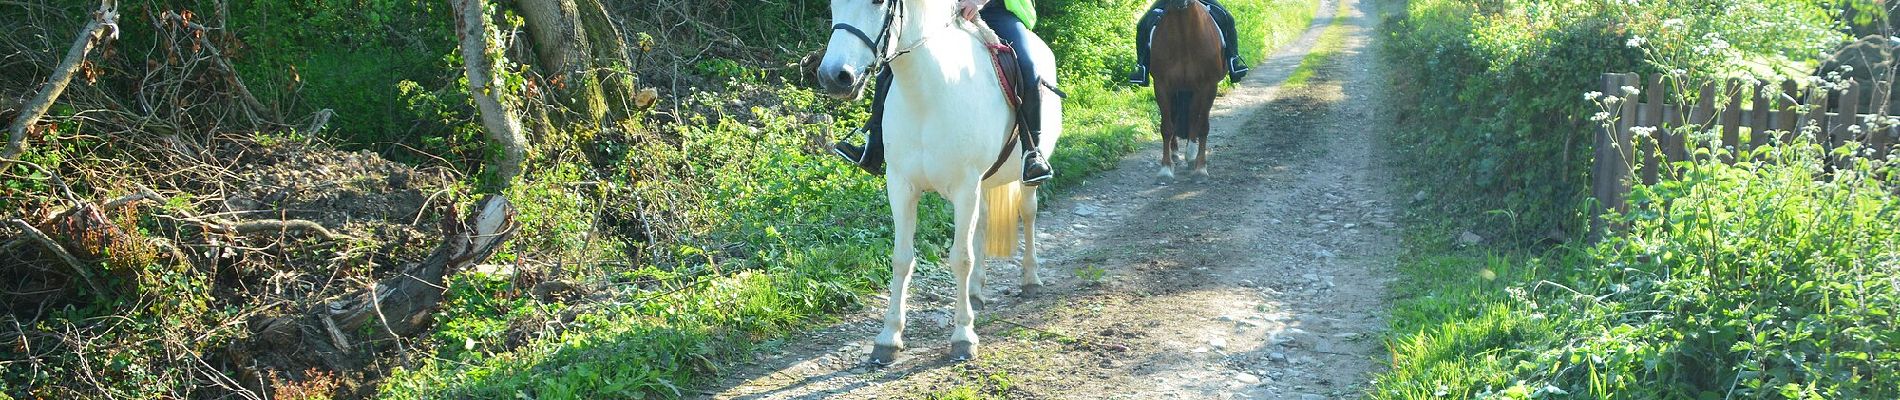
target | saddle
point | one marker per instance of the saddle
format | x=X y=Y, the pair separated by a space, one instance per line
x=1009 y=75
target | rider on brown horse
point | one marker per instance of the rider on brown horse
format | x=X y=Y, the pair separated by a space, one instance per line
x=1229 y=48
x=1011 y=20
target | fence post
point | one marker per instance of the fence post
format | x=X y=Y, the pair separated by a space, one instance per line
x=1610 y=168
x=1844 y=121
x=1651 y=146
x=1789 y=123
x=1817 y=114
x=1758 y=129
x=1731 y=122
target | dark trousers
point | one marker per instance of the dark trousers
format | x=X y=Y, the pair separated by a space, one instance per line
x=1012 y=31
x=1222 y=19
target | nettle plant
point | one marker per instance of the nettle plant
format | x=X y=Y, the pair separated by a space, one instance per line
x=1772 y=276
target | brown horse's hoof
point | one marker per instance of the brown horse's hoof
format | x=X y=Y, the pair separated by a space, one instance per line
x=962 y=351
x=882 y=355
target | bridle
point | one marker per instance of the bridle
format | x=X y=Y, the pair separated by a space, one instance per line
x=883 y=47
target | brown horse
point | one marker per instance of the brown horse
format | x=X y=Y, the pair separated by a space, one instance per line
x=1187 y=71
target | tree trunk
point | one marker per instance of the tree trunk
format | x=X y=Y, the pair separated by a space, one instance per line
x=502 y=124
x=577 y=43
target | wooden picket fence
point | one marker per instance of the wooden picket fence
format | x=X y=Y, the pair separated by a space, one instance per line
x=1742 y=128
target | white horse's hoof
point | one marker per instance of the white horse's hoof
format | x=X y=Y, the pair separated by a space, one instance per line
x=962 y=351
x=1032 y=290
x=977 y=302
x=882 y=355
x=1200 y=172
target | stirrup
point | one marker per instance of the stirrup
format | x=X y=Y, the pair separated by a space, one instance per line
x=1035 y=169
x=850 y=152
x=1236 y=70
x=858 y=156
x=1140 y=77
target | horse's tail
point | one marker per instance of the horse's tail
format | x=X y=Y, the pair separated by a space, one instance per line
x=1002 y=206
x=1183 y=100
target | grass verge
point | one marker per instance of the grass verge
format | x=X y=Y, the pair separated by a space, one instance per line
x=1330 y=42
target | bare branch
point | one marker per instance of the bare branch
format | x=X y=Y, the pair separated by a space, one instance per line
x=104 y=26
x=73 y=262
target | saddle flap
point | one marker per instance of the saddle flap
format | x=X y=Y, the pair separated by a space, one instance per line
x=1009 y=72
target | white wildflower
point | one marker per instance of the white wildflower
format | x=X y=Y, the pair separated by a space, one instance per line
x=1630 y=91
x=1592 y=96
x=1600 y=116
x=1636 y=41
x=1672 y=23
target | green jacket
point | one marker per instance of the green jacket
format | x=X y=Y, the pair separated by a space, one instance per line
x=1025 y=10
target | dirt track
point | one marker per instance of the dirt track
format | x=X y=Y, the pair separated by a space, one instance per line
x=1267 y=280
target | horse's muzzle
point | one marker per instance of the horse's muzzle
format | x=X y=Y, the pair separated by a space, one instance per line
x=841 y=82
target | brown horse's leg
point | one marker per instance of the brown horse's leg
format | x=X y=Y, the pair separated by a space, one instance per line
x=1170 y=129
x=1203 y=104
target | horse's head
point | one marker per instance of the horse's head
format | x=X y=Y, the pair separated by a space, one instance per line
x=1173 y=4
x=862 y=34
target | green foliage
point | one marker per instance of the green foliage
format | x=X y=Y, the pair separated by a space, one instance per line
x=1749 y=281
x=1496 y=83
x=345 y=55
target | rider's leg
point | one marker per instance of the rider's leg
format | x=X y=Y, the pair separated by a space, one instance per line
x=1236 y=68
x=1144 y=30
x=1036 y=170
x=870 y=157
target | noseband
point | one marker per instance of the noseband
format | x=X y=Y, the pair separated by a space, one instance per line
x=880 y=48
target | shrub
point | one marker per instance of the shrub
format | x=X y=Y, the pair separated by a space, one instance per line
x=1496 y=92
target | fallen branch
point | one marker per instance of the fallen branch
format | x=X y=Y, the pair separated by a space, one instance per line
x=398 y=306
x=107 y=17
x=143 y=194
x=73 y=262
x=282 y=225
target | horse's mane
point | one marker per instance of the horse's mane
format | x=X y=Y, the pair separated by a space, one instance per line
x=981 y=30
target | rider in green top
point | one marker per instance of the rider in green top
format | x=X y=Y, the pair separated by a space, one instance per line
x=1011 y=19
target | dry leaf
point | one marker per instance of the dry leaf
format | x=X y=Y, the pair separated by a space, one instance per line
x=646 y=97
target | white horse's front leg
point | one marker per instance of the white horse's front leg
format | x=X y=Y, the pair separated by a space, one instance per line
x=962 y=257
x=903 y=262
x=1031 y=283
x=979 y=260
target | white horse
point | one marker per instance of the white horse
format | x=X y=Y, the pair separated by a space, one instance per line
x=945 y=121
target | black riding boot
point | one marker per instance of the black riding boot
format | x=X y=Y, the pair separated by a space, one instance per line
x=1236 y=68
x=1036 y=169
x=1143 y=30
x=870 y=157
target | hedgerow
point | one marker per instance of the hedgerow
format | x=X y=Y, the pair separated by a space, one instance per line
x=1775 y=277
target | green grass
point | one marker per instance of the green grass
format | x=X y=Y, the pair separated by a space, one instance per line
x=1330 y=42
x=811 y=231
